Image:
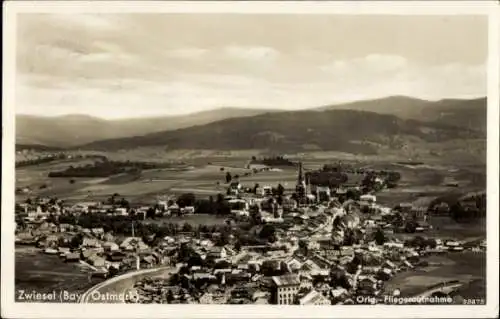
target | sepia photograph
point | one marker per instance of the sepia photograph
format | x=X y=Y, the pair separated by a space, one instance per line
x=248 y=158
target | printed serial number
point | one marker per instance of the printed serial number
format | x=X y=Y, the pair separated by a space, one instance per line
x=477 y=301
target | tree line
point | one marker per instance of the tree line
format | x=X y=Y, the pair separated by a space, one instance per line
x=107 y=168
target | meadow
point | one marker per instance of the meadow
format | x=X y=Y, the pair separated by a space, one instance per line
x=467 y=267
x=203 y=173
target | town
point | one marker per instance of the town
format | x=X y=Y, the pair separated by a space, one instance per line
x=327 y=241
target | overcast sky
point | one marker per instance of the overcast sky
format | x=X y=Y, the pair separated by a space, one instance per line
x=130 y=65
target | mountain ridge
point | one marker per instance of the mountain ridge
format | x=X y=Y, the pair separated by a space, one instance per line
x=79 y=129
x=343 y=130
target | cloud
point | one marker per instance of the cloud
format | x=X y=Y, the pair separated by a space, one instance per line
x=88 y=21
x=187 y=53
x=379 y=75
x=350 y=80
x=114 y=67
x=255 y=53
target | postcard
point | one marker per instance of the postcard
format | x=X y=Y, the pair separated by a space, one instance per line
x=235 y=159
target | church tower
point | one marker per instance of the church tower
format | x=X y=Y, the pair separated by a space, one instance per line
x=300 y=189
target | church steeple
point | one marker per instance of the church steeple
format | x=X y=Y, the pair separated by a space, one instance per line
x=300 y=189
x=300 y=178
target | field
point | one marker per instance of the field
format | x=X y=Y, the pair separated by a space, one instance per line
x=204 y=175
x=196 y=219
x=465 y=267
x=42 y=273
x=206 y=171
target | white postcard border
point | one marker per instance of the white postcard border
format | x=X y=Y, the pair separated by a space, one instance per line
x=22 y=310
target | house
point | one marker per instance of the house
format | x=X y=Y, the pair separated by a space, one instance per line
x=367 y=284
x=108 y=237
x=203 y=276
x=314 y=298
x=324 y=193
x=174 y=209
x=188 y=210
x=132 y=243
x=394 y=245
x=72 y=257
x=86 y=254
x=338 y=294
x=385 y=273
x=389 y=264
x=292 y=264
x=90 y=243
x=206 y=243
x=97 y=231
x=169 y=240
x=207 y=298
x=96 y=261
x=368 y=198
x=267 y=191
x=217 y=253
x=306 y=281
x=234 y=188
x=313 y=245
x=116 y=256
x=148 y=261
x=110 y=246
x=239 y=207
x=285 y=288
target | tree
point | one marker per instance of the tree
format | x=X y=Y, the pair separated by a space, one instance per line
x=418 y=242
x=379 y=237
x=170 y=296
x=303 y=246
x=187 y=199
x=187 y=228
x=76 y=241
x=353 y=194
x=221 y=264
x=411 y=226
x=228 y=177
x=351 y=237
x=280 y=190
x=150 y=213
x=255 y=187
x=223 y=239
x=268 y=232
x=124 y=203
x=398 y=220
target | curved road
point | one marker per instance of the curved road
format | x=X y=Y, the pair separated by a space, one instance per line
x=113 y=290
x=446 y=287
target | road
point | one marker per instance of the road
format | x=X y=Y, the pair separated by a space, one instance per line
x=445 y=288
x=121 y=285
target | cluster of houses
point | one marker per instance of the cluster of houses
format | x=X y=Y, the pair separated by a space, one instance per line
x=281 y=273
x=307 y=263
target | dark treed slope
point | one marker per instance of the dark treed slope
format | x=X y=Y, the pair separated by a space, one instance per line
x=72 y=130
x=343 y=130
x=462 y=113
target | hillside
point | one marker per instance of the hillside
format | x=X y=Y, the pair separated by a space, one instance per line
x=72 y=130
x=342 y=130
x=461 y=113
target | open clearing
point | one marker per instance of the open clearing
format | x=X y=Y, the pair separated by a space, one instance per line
x=48 y=273
x=206 y=171
x=464 y=266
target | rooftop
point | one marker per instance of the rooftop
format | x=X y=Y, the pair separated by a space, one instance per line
x=286 y=280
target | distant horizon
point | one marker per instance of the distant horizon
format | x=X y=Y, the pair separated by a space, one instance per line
x=136 y=65
x=264 y=108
